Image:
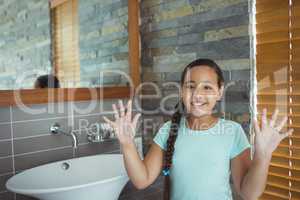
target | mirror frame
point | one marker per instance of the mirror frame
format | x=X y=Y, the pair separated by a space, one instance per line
x=39 y=96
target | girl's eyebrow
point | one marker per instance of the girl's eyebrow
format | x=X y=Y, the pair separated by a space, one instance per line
x=190 y=82
x=186 y=82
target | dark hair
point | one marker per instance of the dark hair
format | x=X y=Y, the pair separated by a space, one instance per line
x=175 y=120
x=47 y=81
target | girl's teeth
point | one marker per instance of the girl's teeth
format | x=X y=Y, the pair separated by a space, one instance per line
x=198 y=104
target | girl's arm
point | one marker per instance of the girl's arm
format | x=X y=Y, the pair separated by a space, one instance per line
x=250 y=177
x=141 y=172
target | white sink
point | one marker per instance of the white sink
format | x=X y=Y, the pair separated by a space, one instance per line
x=100 y=177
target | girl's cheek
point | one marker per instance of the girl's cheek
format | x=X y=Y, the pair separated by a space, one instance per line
x=212 y=96
x=187 y=96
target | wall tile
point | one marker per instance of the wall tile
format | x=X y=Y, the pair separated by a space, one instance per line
x=35 y=159
x=83 y=122
x=241 y=75
x=110 y=146
x=154 y=191
x=94 y=107
x=41 y=111
x=22 y=197
x=4 y=114
x=3 y=179
x=38 y=127
x=5 y=148
x=40 y=143
x=6 y=165
x=5 y=131
x=88 y=107
x=7 y=196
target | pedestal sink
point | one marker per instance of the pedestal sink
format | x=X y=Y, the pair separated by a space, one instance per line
x=100 y=177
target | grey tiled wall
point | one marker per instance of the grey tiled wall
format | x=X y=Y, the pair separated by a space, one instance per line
x=25 y=141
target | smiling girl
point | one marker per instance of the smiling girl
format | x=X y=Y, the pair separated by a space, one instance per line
x=196 y=151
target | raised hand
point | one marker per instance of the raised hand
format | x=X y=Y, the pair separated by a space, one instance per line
x=124 y=126
x=268 y=137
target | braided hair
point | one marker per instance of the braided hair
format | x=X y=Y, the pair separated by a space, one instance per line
x=175 y=121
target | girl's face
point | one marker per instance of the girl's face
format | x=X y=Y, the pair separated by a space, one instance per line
x=200 y=91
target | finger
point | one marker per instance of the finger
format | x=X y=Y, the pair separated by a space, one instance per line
x=256 y=127
x=129 y=110
x=122 y=109
x=282 y=123
x=274 y=118
x=264 y=119
x=111 y=123
x=135 y=119
x=288 y=133
x=116 y=113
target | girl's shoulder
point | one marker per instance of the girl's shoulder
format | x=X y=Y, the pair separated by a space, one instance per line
x=165 y=125
x=230 y=126
x=229 y=122
x=222 y=123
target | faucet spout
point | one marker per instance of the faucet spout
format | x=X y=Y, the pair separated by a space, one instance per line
x=74 y=139
x=55 y=129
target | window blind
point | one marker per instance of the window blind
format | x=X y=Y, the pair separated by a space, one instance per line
x=278 y=86
x=65 y=45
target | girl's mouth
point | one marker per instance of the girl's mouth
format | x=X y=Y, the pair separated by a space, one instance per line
x=198 y=104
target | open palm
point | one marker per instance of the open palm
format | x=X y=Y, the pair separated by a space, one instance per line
x=268 y=137
x=123 y=125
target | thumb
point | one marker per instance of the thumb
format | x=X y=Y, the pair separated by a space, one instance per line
x=288 y=133
x=135 y=119
x=111 y=123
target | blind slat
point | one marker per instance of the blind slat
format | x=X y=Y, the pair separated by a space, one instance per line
x=66 y=41
x=272 y=37
x=281 y=108
x=275 y=191
x=273 y=26
x=278 y=98
x=279 y=47
x=270 y=15
x=267 y=196
x=283 y=173
x=266 y=5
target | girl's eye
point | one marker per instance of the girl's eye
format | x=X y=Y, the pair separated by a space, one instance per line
x=207 y=88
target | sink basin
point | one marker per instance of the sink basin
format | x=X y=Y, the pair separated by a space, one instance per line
x=100 y=177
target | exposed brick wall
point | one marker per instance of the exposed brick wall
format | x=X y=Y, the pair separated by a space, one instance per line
x=103 y=41
x=176 y=32
x=24 y=41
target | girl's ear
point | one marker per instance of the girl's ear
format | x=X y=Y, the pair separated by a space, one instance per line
x=221 y=90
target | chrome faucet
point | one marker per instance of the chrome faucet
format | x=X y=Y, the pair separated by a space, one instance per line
x=99 y=132
x=55 y=129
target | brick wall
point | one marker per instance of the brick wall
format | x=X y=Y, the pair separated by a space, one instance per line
x=25 y=42
x=103 y=41
x=176 y=32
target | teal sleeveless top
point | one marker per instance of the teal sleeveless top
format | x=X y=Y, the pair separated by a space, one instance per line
x=201 y=160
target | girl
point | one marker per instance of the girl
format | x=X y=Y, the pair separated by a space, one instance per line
x=197 y=151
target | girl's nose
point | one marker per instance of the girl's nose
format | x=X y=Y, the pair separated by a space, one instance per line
x=198 y=91
x=198 y=95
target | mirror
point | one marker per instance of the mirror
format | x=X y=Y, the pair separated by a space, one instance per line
x=84 y=44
